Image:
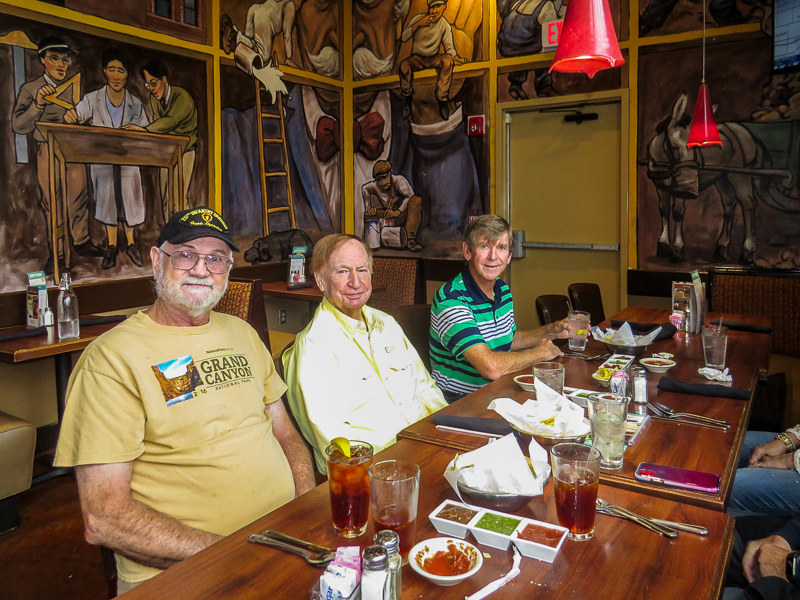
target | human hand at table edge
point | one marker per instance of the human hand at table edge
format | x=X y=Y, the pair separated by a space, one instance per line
x=132 y=127
x=774 y=448
x=784 y=462
x=128 y=527
x=765 y=557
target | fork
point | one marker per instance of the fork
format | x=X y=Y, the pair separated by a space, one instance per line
x=604 y=507
x=584 y=357
x=315 y=559
x=659 y=414
x=671 y=413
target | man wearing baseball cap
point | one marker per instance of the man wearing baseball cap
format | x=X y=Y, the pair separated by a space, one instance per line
x=174 y=421
x=32 y=107
x=392 y=197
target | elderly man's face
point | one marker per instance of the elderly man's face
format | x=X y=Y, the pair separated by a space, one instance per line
x=318 y=36
x=195 y=291
x=487 y=260
x=346 y=279
x=375 y=29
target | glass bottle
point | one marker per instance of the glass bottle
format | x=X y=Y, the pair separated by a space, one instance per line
x=391 y=541
x=375 y=577
x=67 y=310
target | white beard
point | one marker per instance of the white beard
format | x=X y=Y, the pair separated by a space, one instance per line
x=326 y=62
x=366 y=65
x=173 y=294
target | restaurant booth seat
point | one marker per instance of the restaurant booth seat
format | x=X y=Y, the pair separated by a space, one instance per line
x=395 y=282
x=587 y=297
x=244 y=298
x=551 y=308
x=17 y=444
x=415 y=320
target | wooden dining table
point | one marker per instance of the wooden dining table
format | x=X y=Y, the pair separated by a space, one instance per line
x=622 y=560
x=661 y=441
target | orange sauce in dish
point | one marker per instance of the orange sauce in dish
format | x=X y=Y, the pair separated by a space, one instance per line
x=451 y=562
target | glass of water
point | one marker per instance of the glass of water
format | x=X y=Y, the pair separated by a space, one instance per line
x=715 y=345
x=551 y=374
x=607 y=415
x=578 y=329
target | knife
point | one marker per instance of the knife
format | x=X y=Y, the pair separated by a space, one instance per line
x=623 y=513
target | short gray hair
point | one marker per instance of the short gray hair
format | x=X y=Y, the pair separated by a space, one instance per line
x=324 y=249
x=488 y=227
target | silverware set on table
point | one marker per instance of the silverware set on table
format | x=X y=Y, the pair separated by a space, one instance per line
x=665 y=412
x=316 y=556
x=660 y=526
x=586 y=357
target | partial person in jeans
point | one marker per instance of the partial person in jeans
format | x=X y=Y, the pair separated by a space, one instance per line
x=768 y=478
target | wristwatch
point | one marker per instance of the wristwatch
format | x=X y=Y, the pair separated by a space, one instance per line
x=793 y=567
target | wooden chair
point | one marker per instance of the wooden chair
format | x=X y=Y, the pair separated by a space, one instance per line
x=415 y=319
x=245 y=299
x=551 y=308
x=395 y=282
x=586 y=296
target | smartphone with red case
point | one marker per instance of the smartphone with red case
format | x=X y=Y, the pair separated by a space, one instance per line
x=676 y=477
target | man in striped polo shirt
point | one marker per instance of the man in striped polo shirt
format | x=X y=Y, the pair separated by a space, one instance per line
x=474 y=339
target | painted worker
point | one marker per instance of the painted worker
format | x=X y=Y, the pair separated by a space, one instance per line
x=352 y=372
x=32 y=107
x=474 y=339
x=264 y=22
x=391 y=196
x=174 y=421
x=114 y=106
x=430 y=32
x=174 y=113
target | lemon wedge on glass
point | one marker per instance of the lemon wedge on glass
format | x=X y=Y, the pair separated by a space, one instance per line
x=343 y=444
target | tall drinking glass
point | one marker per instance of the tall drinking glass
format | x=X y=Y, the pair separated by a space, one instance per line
x=551 y=374
x=348 y=480
x=715 y=345
x=608 y=415
x=394 y=496
x=578 y=329
x=576 y=475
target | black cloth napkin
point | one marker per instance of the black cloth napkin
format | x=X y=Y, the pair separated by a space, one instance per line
x=483 y=424
x=739 y=326
x=23 y=333
x=667 y=328
x=85 y=321
x=668 y=384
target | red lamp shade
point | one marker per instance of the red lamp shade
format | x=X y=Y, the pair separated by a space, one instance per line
x=703 y=131
x=588 y=42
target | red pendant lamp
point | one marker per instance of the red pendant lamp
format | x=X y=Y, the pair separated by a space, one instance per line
x=704 y=131
x=588 y=41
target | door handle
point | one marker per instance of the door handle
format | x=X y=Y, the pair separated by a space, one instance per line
x=518 y=245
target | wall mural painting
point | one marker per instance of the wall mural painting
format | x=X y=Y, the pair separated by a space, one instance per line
x=78 y=88
x=520 y=30
x=297 y=175
x=418 y=176
x=738 y=203
x=662 y=17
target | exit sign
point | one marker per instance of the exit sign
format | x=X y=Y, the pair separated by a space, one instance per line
x=551 y=33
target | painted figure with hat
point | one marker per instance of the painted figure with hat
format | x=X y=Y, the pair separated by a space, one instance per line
x=174 y=421
x=390 y=196
x=32 y=107
x=430 y=31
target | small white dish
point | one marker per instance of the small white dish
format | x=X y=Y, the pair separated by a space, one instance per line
x=601 y=381
x=428 y=548
x=540 y=551
x=450 y=526
x=488 y=537
x=657 y=365
x=525 y=382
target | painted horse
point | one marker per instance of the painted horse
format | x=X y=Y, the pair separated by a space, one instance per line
x=740 y=170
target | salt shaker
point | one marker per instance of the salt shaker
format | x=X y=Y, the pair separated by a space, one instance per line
x=639 y=384
x=391 y=541
x=375 y=579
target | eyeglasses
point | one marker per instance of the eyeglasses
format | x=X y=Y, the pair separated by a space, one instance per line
x=184 y=260
x=151 y=84
x=55 y=58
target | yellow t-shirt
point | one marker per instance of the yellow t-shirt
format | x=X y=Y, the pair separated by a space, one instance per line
x=186 y=405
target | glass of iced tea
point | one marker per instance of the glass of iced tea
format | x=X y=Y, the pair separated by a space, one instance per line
x=576 y=475
x=348 y=480
x=394 y=495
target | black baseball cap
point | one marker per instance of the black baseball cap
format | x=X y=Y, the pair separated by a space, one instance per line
x=53 y=43
x=194 y=223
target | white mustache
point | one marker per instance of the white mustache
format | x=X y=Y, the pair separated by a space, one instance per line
x=366 y=65
x=198 y=281
x=326 y=62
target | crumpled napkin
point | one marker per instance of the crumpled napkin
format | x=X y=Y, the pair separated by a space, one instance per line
x=715 y=374
x=498 y=583
x=624 y=336
x=551 y=414
x=499 y=467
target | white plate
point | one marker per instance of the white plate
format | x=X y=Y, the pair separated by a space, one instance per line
x=423 y=550
x=656 y=365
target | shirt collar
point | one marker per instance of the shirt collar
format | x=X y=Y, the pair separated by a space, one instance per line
x=166 y=96
x=350 y=325
x=477 y=293
x=50 y=81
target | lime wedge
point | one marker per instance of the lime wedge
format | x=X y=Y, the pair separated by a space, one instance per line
x=343 y=444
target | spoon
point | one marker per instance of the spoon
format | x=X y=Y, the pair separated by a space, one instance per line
x=315 y=559
x=618 y=511
x=671 y=413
